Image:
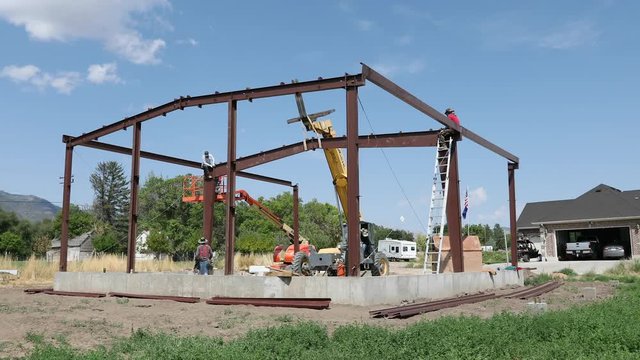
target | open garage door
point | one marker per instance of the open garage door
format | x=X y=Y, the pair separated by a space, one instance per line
x=606 y=236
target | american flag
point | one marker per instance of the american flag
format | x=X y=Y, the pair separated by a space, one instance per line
x=466 y=204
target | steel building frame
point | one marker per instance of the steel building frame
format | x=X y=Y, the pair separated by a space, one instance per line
x=235 y=166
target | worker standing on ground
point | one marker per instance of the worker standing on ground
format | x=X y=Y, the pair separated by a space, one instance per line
x=203 y=256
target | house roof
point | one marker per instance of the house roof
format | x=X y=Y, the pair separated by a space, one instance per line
x=600 y=203
x=75 y=242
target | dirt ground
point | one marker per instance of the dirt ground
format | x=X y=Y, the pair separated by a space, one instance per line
x=88 y=322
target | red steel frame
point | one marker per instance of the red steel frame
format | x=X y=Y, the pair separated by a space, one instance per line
x=235 y=166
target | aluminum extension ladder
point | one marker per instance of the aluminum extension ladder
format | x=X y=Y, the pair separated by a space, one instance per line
x=438 y=207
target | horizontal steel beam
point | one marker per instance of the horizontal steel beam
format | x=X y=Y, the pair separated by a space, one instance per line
x=127 y=151
x=411 y=139
x=404 y=95
x=177 y=161
x=264 y=178
x=247 y=94
x=488 y=145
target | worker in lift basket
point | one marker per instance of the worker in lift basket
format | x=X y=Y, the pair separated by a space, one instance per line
x=203 y=256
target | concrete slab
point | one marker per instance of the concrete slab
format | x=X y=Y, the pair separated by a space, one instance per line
x=580 y=267
x=363 y=291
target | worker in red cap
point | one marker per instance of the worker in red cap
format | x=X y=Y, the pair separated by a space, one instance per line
x=451 y=114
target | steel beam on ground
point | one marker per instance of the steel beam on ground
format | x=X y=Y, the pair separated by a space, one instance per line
x=183 y=299
x=308 y=303
x=75 y=293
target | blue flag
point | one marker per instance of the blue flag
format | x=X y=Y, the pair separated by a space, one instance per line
x=466 y=204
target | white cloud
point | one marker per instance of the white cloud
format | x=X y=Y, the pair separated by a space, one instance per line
x=404 y=40
x=63 y=82
x=512 y=29
x=20 y=73
x=189 y=41
x=571 y=35
x=477 y=196
x=99 y=74
x=111 y=22
x=498 y=215
x=364 y=25
x=397 y=67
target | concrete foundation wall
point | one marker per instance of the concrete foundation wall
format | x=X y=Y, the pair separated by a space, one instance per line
x=362 y=291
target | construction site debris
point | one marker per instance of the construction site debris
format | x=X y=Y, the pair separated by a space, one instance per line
x=308 y=303
x=183 y=299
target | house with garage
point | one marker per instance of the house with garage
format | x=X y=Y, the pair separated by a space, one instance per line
x=604 y=213
x=79 y=248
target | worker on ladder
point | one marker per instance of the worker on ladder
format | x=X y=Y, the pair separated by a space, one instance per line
x=445 y=135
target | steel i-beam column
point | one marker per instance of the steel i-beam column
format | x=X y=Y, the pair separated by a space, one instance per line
x=231 y=189
x=453 y=211
x=209 y=199
x=296 y=222
x=512 y=212
x=133 y=199
x=66 y=202
x=353 y=185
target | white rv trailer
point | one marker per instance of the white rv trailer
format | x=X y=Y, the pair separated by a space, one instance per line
x=398 y=249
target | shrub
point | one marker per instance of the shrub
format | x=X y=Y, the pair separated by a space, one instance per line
x=568 y=272
x=538 y=279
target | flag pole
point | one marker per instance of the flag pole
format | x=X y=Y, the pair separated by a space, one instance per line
x=467 y=200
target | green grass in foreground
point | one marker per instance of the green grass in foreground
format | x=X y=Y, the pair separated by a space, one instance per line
x=604 y=330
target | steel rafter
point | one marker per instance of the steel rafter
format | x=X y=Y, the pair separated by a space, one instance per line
x=248 y=94
x=404 y=95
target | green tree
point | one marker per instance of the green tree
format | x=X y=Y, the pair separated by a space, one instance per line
x=8 y=220
x=162 y=210
x=158 y=243
x=111 y=202
x=80 y=222
x=498 y=237
x=108 y=242
x=11 y=243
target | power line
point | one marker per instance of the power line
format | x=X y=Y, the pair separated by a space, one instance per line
x=391 y=168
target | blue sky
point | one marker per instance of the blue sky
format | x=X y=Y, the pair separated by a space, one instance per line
x=555 y=83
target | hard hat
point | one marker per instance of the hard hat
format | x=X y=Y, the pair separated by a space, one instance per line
x=206 y=152
x=202 y=241
x=449 y=111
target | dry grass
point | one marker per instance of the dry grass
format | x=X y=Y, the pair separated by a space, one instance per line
x=39 y=271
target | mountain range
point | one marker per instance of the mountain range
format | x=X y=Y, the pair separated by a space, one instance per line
x=28 y=207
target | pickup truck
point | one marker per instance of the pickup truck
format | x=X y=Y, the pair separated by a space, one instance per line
x=585 y=247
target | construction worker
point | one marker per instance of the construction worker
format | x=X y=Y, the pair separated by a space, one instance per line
x=203 y=256
x=451 y=114
x=444 y=136
x=207 y=163
x=207 y=160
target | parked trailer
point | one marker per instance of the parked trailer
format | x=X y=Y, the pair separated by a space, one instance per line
x=398 y=249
